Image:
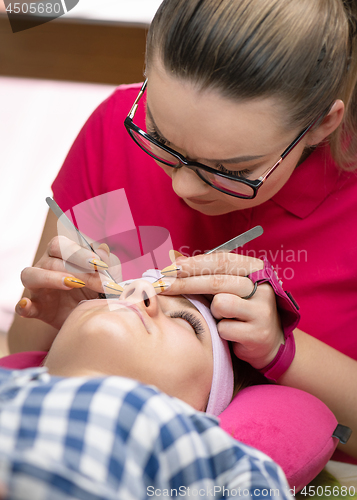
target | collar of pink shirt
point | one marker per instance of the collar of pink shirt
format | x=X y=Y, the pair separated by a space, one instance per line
x=315 y=179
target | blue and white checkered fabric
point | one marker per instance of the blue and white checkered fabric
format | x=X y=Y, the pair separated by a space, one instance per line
x=114 y=438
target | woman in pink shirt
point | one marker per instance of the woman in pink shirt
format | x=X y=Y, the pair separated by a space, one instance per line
x=249 y=108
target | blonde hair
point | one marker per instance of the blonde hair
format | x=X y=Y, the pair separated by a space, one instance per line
x=304 y=52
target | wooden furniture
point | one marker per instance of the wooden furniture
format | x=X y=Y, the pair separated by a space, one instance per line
x=73 y=50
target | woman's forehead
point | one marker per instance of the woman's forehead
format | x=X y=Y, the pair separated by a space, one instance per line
x=206 y=123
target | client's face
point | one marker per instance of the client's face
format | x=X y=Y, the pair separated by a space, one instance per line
x=159 y=340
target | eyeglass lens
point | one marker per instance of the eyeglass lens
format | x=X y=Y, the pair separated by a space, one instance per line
x=229 y=186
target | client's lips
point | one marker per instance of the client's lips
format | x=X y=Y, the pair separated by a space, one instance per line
x=122 y=303
x=132 y=307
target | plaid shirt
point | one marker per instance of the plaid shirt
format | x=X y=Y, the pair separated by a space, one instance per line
x=114 y=438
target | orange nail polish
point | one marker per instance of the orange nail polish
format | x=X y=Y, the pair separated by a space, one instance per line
x=97 y=263
x=113 y=287
x=171 y=270
x=174 y=254
x=22 y=303
x=104 y=246
x=73 y=282
x=161 y=286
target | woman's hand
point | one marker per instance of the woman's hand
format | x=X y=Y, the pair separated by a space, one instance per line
x=65 y=275
x=253 y=325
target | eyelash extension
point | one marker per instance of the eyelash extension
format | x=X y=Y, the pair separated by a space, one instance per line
x=243 y=174
x=190 y=318
x=158 y=137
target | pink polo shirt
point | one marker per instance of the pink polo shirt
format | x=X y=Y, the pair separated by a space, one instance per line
x=309 y=225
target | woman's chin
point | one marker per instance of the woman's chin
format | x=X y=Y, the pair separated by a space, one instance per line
x=216 y=207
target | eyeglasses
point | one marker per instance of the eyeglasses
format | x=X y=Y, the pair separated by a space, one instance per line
x=224 y=182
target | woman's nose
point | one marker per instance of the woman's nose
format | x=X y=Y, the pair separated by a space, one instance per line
x=187 y=184
x=143 y=294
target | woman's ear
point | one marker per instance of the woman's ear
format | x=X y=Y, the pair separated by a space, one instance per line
x=328 y=125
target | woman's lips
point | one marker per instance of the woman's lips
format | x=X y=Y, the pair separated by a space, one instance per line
x=198 y=201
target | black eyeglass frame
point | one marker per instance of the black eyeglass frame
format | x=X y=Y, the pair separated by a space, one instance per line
x=255 y=185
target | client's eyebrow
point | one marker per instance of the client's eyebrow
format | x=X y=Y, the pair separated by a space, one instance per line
x=238 y=159
x=186 y=303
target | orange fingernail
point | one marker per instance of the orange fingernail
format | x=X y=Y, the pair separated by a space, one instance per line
x=97 y=263
x=171 y=270
x=105 y=247
x=161 y=286
x=73 y=283
x=22 y=303
x=113 y=287
x=174 y=254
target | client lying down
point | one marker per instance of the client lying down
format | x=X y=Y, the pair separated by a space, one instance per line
x=84 y=425
x=171 y=342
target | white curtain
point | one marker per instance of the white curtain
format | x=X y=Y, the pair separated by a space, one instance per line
x=39 y=120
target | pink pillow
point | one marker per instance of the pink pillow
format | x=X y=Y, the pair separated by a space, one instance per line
x=292 y=427
x=20 y=360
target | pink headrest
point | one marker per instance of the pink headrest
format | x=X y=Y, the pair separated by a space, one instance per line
x=291 y=426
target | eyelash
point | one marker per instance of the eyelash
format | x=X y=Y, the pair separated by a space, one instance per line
x=158 y=137
x=242 y=174
x=191 y=319
x=236 y=173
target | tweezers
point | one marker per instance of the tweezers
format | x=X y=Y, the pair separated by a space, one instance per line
x=238 y=241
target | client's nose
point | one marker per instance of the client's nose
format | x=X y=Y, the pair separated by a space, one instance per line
x=142 y=293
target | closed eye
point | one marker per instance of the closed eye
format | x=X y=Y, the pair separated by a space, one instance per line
x=195 y=323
